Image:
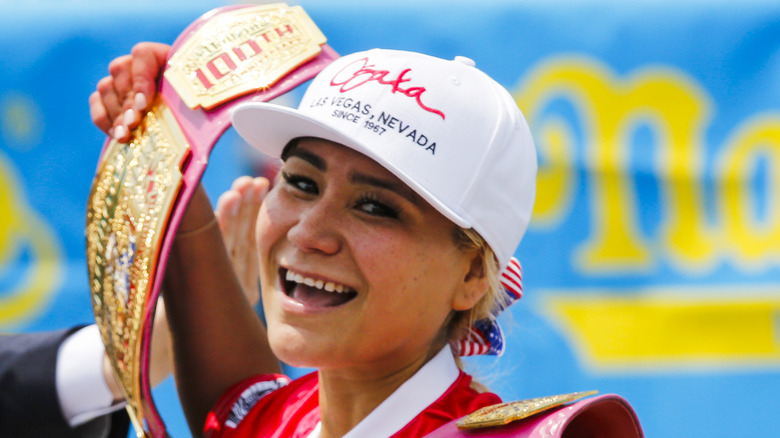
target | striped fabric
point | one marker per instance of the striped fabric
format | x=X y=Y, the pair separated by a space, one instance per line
x=485 y=336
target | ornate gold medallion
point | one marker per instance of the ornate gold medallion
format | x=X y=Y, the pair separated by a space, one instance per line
x=504 y=413
x=241 y=51
x=128 y=207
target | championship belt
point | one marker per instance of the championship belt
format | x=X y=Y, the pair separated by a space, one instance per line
x=141 y=190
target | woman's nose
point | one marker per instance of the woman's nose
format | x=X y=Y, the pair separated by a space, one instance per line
x=317 y=229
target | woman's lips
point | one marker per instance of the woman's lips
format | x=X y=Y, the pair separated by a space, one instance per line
x=315 y=292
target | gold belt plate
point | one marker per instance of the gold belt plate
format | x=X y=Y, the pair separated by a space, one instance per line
x=241 y=51
x=127 y=209
x=223 y=56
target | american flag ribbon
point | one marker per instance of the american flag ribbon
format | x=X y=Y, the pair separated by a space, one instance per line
x=485 y=335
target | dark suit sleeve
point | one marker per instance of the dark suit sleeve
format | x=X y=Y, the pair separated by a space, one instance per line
x=29 y=406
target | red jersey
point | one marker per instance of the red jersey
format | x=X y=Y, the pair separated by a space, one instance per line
x=266 y=406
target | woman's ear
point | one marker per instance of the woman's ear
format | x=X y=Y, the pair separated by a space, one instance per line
x=474 y=285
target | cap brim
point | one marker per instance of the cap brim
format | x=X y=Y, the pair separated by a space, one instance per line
x=270 y=127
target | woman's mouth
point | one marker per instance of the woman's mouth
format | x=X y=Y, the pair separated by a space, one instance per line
x=313 y=292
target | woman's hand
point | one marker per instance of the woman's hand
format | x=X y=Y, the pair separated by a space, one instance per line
x=236 y=213
x=121 y=97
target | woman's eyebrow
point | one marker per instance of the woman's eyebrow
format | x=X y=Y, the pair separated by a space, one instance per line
x=357 y=178
x=393 y=185
x=309 y=157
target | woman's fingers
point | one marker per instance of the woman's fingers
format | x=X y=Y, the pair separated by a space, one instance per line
x=122 y=97
x=237 y=213
x=120 y=71
x=143 y=73
x=226 y=212
x=148 y=62
x=109 y=99
x=232 y=224
x=99 y=114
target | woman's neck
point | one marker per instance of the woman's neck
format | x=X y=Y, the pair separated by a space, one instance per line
x=346 y=397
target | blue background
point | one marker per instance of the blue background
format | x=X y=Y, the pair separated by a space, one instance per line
x=53 y=53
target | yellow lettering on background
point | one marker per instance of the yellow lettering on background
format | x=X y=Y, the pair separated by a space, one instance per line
x=680 y=111
x=610 y=109
x=669 y=328
x=751 y=240
x=21 y=230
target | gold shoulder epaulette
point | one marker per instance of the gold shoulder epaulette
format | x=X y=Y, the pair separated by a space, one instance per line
x=504 y=413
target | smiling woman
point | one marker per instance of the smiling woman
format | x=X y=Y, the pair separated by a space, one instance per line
x=379 y=258
x=340 y=221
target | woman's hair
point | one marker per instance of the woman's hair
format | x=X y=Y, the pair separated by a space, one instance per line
x=461 y=321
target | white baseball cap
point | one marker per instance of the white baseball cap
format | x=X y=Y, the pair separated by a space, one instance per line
x=445 y=128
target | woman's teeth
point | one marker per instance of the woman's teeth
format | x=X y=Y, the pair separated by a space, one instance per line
x=319 y=284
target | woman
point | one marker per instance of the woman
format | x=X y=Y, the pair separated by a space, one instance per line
x=407 y=183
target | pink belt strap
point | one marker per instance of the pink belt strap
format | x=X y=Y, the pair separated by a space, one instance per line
x=605 y=416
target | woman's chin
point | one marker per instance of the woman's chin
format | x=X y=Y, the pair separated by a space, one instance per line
x=294 y=349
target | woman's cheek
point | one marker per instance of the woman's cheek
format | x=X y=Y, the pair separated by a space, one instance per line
x=270 y=219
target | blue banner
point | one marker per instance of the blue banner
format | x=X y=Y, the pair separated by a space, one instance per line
x=651 y=264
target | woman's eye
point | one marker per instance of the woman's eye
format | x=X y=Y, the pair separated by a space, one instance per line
x=302 y=183
x=376 y=208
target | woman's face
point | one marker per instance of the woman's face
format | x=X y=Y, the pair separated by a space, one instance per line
x=358 y=271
